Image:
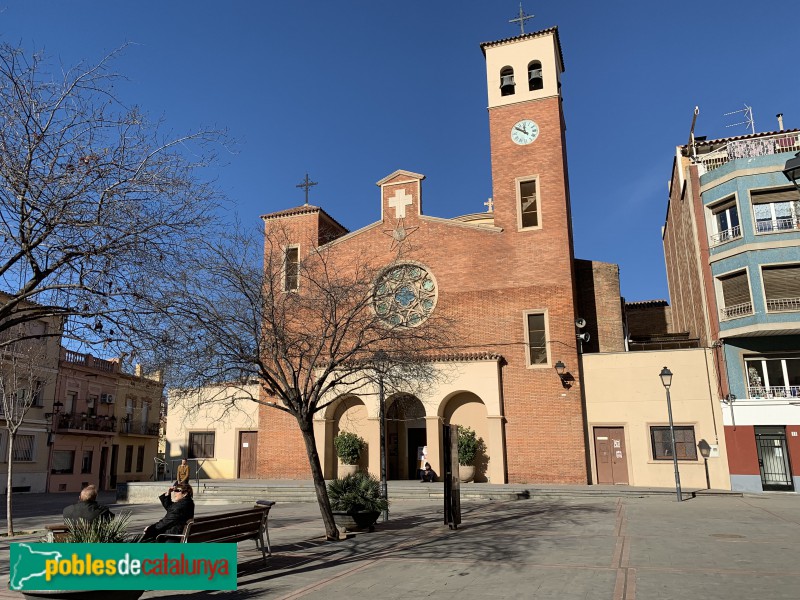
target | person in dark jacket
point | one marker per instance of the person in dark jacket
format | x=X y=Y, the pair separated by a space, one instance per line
x=88 y=509
x=180 y=508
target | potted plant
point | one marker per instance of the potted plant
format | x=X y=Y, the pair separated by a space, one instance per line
x=99 y=531
x=348 y=448
x=356 y=501
x=469 y=447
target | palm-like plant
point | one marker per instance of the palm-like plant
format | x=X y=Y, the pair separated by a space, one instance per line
x=359 y=492
x=99 y=531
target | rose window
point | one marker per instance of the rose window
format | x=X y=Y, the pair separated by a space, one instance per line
x=405 y=295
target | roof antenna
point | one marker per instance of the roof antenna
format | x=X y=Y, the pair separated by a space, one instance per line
x=748 y=118
x=692 y=144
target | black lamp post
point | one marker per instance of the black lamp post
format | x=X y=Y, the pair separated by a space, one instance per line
x=705 y=452
x=666 y=381
x=792 y=170
x=380 y=362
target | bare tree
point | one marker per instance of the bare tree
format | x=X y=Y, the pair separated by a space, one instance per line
x=234 y=320
x=97 y=203
x=22 y=380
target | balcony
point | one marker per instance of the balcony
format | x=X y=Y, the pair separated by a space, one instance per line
x=736 y=311
x=780 y=225
x=728 y=235
x=131 y=428
x=783 y=304
x=87 y=360
x=749 y=148
x=774 y=391
x=82 y=424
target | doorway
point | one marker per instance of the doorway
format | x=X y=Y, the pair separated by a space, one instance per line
x=112 y=483
x=405 y=433
x=417 y=439
x=103 y=467
x=773 y=459
x=611 y=455
x=248 y=454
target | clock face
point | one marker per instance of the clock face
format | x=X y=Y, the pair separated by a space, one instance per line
x=524 y=132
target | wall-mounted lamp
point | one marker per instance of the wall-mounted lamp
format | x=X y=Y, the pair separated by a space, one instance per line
x=792 y=170
x=565 y=378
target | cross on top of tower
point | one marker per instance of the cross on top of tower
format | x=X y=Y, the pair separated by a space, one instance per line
x=521 y=19
x=307 y=183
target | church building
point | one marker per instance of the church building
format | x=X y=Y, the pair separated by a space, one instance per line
x=507 y=277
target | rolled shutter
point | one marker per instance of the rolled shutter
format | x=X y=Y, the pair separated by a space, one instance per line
x=735 y=289
x=781 y=195
x=781 y=282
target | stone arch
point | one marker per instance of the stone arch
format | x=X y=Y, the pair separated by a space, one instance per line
x=405 y=433
x=349 y=413
x=467 y=409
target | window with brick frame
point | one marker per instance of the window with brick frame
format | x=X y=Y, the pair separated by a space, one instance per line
x=685 y=446
x=536 y=338
x=291 y=269
x=528 y=203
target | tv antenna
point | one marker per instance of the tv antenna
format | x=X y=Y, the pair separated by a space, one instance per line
x=748 y=118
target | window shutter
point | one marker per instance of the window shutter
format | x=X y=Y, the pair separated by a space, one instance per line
x=735 y=289
x=781 y=282
x=781 y=195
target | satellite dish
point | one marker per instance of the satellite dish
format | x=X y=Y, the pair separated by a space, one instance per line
x=580 y=323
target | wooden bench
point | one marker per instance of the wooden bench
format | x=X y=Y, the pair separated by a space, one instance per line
x=249 y=524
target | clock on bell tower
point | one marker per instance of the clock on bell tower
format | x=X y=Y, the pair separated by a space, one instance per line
x=526 y=129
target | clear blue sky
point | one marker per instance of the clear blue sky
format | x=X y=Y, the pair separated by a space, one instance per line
x=351 y=91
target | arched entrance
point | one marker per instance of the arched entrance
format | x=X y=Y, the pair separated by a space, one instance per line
x=405 y=436
x=351 y=415
x=468 y=410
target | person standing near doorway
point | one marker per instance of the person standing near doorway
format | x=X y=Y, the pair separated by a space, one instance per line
x=183 y=472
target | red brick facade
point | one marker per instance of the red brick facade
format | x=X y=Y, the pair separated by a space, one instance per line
x=487 y=277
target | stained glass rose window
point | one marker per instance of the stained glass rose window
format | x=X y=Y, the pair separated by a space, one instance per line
x=405 y=295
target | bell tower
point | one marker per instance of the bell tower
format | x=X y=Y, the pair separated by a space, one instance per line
x=526 y=127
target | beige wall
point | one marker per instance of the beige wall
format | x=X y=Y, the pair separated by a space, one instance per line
x=226 y=411
x=625 y=390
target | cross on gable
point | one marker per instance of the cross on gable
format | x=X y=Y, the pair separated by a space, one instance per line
x=399 y=202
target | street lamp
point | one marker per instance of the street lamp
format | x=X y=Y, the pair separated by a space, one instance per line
x=380 y=362
x=666 y=381
x=705 y=452
x=792 y=170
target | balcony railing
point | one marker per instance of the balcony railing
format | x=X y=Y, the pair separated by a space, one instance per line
x=726 y=236
x=777 y=225
x=748 y=148
x=78 y=423
x=138 y=428
x=736 y=311
x=87 y=360
x=783 y=304
x=774 y=391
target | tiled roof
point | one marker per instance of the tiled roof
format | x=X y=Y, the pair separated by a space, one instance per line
x=646 y=303
x=526 y=36
x=465 y=356
x=749 y=136
x=301 y=210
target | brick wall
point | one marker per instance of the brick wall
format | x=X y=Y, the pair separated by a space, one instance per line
x=599 y=303
x=649 y=318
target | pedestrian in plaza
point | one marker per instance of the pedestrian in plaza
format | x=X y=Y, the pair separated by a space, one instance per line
x=87 y=509
x=179 y=505
x=183 y=472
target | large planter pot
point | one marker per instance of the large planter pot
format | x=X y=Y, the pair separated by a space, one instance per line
x=356 y=521
x=345 y=470
x=466 y=473
x=85 y=594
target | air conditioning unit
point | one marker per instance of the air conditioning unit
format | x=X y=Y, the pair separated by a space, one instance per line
x=106 y=398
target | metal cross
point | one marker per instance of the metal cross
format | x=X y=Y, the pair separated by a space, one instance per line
x=307 y=183
x=521 y=19
x=490 y=204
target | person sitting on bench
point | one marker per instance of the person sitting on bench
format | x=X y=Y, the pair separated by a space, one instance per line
x=88 y=509
x=180 y=508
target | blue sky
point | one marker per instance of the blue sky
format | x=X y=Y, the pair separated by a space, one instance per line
x=351 y=91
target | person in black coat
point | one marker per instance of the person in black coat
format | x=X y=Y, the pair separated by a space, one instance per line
x=88 y=509
x=180 y=508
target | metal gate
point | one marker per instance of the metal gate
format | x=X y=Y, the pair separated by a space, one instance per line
x=773 y=459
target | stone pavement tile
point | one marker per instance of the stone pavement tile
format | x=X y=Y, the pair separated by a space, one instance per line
x=659 y=585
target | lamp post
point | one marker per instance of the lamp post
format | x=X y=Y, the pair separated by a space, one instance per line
x=380 y=359
x=705 y=452
x=792 y=170
x=666 y=381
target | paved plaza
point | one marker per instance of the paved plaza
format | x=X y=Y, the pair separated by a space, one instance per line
x=631 y=548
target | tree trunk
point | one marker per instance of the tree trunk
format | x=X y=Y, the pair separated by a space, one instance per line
x=9 y=518
x=307 y=429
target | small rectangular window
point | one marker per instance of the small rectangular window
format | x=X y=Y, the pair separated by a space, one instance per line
x=86 y=463
x=201 y=444
x=735 y=295
x=782 y=287
x=140 y=459
x=529 y=206
x=291 y=269
x=63 y=461
x=128 y=458
x=537 y=342
x=23 y=448
x=685 y=447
